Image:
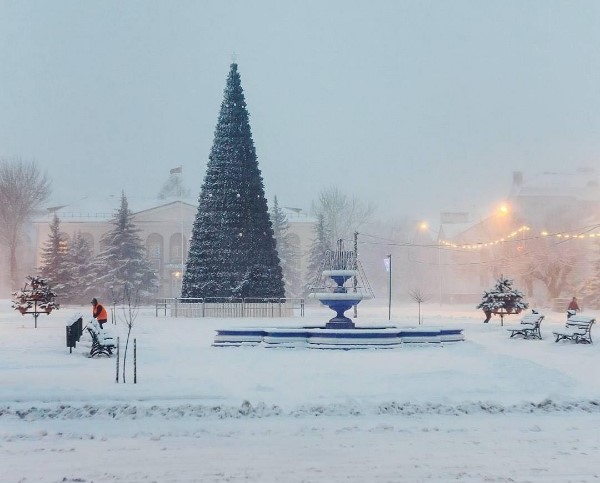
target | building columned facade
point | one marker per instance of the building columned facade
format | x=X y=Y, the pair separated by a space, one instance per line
x=165 y=230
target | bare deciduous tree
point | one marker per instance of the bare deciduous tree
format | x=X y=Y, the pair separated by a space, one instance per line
x=418 y=296
x=23 y=188
x=130 y=305
x=549 y=262
x=342 y=214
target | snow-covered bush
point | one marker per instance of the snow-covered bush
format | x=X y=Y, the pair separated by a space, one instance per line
x=35 y=295
x=503 y=297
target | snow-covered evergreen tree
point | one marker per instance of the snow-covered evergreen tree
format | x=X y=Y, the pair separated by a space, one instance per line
x=122 y=267
x=53 y=268
x=503 y=297
x=320 y=245
x=79 y=264
x=287 y=250
x=232 y=250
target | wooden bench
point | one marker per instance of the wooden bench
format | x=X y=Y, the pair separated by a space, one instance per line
x=102 y=343
x=578 y=329
x=529 y=326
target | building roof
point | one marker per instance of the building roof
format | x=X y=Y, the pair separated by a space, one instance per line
x=102 y=208
x=580 y=184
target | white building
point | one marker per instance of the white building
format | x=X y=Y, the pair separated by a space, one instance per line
x=165 y=229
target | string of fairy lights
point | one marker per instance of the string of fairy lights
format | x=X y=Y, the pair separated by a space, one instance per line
x=585 y=233
x=474 y=246
x=526 y=233
x=582 y=234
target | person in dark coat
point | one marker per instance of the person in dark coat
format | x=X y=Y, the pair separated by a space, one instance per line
x=573 y=305
x=573 y=308
x=488 y=316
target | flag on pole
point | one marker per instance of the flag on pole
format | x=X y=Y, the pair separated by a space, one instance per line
x=386 y=262
x=176 y=170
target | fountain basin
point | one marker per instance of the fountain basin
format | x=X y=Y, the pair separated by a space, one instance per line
x=311 y=337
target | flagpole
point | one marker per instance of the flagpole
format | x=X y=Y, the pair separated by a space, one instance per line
x=178 y=171
x=182 y=234
x=390 y=289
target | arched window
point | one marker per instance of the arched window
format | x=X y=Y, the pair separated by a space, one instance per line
x=175 y=248
x=64 y=243
x=154 y=249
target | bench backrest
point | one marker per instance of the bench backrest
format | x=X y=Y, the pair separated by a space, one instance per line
x=582 y=322
x=581 y=319
x=532 y=319
x=94 y=333
x=99 y=336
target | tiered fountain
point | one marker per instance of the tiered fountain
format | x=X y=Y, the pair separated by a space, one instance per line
x=340 y=266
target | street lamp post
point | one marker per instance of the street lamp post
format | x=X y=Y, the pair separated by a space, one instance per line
x=389 y=257
x=355 y=281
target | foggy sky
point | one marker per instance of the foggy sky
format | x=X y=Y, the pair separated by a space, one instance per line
x=419 y=107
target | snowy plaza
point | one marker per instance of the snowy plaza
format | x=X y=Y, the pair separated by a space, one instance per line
x=299 y=242
x=490 y=408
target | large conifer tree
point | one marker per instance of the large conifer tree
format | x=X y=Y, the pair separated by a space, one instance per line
x=287 y=250
x=232 y=251
x=54 y=256
x=320 y=245
x=79 y=265
x=122 y=269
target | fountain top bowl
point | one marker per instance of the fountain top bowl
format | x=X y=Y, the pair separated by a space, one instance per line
x=340 y=273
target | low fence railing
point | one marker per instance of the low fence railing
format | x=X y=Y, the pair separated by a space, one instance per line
x=230 y=307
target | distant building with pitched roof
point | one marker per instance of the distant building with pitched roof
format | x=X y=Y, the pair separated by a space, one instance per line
x=561 y=208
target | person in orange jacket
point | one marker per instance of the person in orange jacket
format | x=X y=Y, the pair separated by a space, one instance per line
x=99 y=312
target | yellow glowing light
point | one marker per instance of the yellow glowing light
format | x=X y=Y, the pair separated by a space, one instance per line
x=503 y=209
x=423 y=226
x=524 y=228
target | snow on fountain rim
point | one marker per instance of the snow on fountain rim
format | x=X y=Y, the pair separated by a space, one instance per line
x=338 y=296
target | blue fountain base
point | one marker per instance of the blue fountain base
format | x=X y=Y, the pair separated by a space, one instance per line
x=340 y=323
x=386 y=337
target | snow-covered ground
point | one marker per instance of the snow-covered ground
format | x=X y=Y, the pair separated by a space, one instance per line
x=490 y=408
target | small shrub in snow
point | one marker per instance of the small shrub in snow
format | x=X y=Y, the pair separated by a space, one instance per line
x=36 y=296
x=503 y=297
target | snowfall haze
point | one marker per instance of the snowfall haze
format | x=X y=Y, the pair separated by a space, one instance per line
x=417 y=107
